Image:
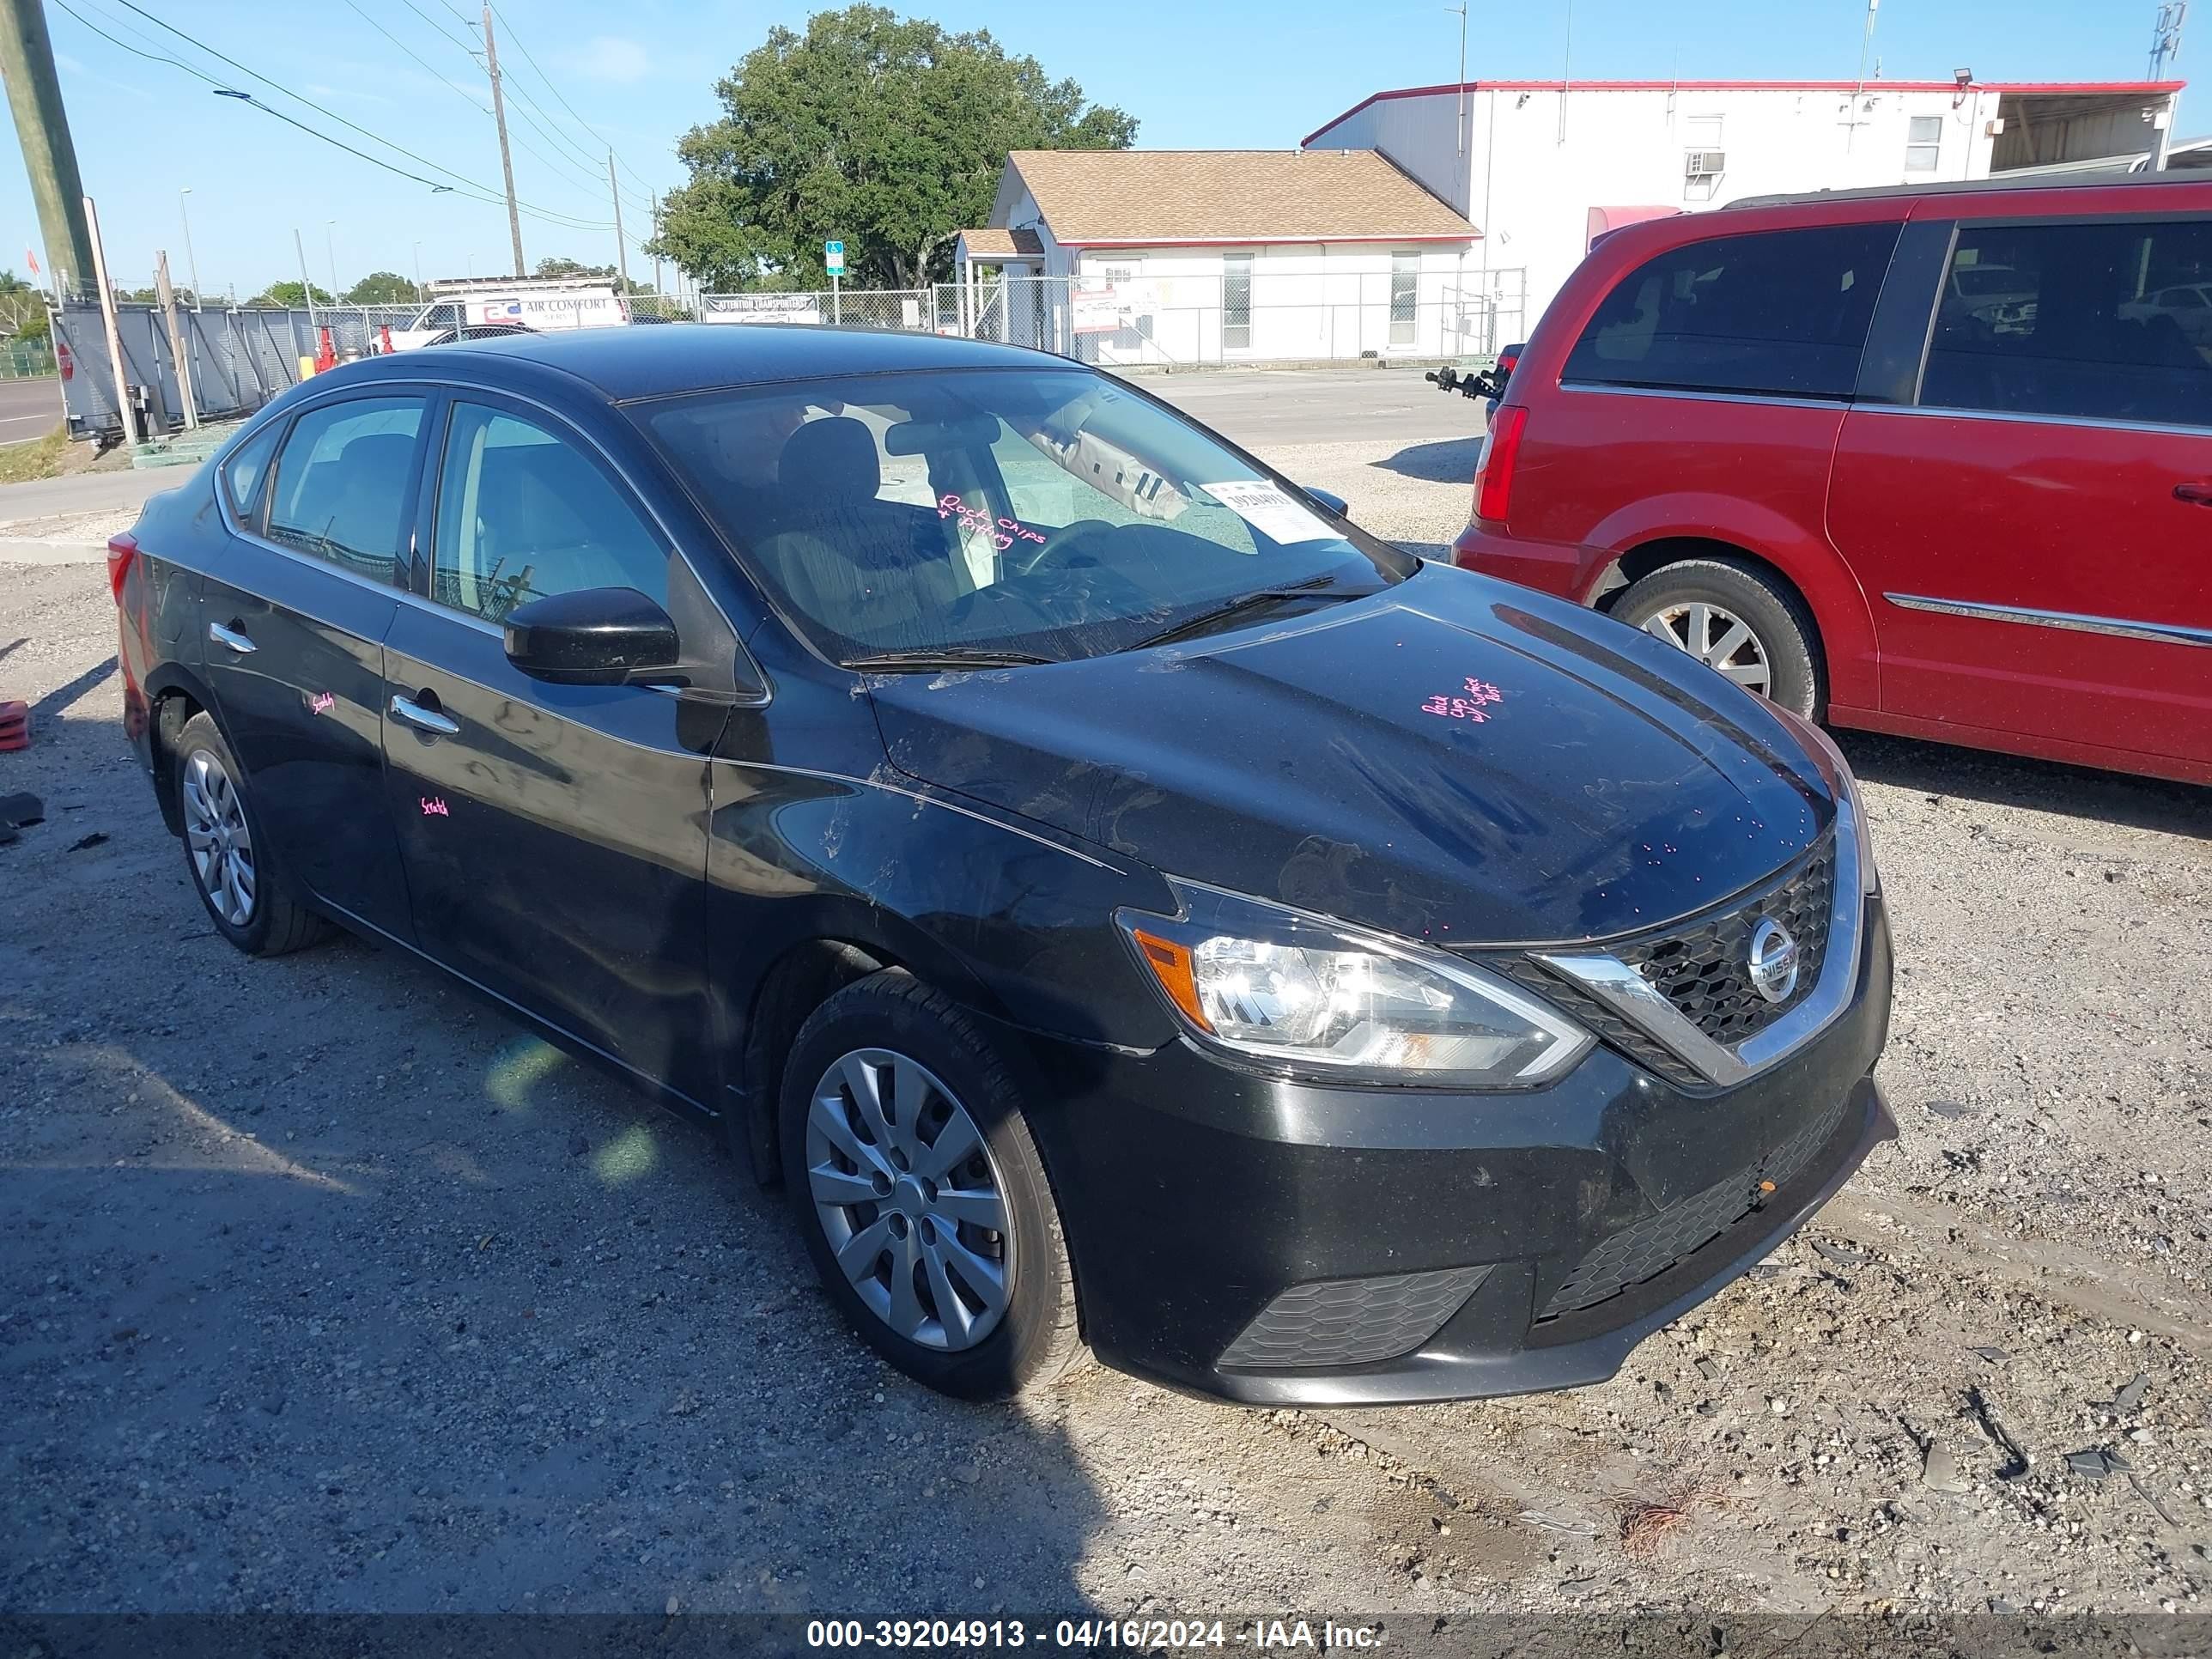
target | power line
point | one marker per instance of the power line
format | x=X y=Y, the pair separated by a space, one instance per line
x=565 y=104
x=417 y=57
x=553 y=214
x=440 y=27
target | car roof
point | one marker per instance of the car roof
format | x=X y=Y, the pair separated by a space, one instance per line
x=628 y=363
x=2031 y=181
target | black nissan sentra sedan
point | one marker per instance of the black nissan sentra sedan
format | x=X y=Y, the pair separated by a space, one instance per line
x=1125 y=904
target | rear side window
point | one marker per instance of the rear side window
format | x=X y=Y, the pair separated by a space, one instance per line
x=247 y=466
x=523 y=514
x=1782 y=312
x=2097 y=322
x=341 y=490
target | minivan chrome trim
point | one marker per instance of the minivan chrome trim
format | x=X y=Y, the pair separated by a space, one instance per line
x=1694 y=395
x=1636 y=1000
x=2122 y=627
x=2095 y=422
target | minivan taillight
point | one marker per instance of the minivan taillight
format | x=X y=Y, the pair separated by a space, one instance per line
x=122 y=549
x=1493 y=474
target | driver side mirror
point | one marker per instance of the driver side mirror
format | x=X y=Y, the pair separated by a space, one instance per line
x=590 y=636
x=1329 y=499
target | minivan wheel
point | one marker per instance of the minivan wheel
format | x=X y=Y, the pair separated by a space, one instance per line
x=1734 y=621
x=230 y=861
x=920 y=1191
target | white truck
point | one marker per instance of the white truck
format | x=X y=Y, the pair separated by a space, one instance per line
x=475 y=303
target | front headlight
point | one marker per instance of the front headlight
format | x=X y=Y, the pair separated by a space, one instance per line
x=1268 y=981
x=1837 y=771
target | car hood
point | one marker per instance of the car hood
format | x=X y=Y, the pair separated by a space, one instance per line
x=1453 y=759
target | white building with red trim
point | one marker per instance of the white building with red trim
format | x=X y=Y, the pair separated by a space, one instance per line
x=1544 y=167
x=1176 y=257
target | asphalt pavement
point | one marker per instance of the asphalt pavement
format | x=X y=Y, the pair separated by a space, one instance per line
x=28 y=409
x=1276 y=407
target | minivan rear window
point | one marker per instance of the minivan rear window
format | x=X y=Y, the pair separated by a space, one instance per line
x=1783 y=313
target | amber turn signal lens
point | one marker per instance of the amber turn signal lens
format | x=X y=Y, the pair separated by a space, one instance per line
x=1171 y=965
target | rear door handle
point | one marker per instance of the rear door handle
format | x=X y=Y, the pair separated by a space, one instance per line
x=2198 y=495
x=427 y=719
x=231 y=637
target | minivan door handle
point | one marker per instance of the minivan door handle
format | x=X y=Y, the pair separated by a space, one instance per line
x=230 y=637
x=427 y=719
x=2197 y=492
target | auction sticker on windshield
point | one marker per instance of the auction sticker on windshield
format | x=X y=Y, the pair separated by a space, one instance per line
x=1270 y=512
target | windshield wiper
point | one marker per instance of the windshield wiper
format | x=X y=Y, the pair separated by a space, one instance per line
x=1205 y=619
x=946 y=657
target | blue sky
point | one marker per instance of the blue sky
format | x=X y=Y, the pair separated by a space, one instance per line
x=1218 y=74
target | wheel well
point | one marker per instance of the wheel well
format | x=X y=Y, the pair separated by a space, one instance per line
x=1639 y=562
x=171 y=708
x=798 y=982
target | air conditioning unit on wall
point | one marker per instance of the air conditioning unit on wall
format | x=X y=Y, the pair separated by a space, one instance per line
x=1704 y=163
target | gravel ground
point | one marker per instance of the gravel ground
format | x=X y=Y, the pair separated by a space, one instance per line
x=329 y=1290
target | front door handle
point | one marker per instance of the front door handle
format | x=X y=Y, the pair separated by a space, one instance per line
x=2197 y=493
x=427 y=719
x=231 y=637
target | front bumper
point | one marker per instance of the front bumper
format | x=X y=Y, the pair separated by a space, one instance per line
x=1525 y=1241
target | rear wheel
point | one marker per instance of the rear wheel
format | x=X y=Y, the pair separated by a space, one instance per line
x=230 y=861
x=920 y=1194
x=1735 y=621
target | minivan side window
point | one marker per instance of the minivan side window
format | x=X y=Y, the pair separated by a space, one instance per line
x=1783 y=313
x=523 y=513
x=2094 y=322
x=341 y=489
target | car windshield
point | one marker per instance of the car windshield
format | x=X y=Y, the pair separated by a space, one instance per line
x=1025 y=513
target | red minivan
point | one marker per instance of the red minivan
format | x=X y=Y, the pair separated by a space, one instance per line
x=1933 y=461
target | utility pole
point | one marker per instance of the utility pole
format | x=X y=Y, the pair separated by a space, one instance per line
x=1865 y=40
x=656 y=241
x=126 y=410
x=26 y=59
x=2165 y=47
x=191 y=260
x=505 y=158
x=621 y=250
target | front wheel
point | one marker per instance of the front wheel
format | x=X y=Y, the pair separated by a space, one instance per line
x=920 y=1191
x=1735 y=621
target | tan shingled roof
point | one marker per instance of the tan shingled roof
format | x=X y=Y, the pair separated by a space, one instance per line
x=993 y=243
x=1230 y=195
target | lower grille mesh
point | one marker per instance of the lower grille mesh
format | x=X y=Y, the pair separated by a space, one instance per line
x=1351 y=1322
x=1648 y=1248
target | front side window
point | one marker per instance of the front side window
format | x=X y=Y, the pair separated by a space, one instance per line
x=1924 y=143
x=2099 y=322
x=1044 y=512
x=1405 y=296
x=1237 y=301
x=523 y=514
x=1783 y=313
x=341 y=485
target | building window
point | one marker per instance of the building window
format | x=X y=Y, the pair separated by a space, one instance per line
x=1924 y=143
x=1236 y=301
x=1405 y=290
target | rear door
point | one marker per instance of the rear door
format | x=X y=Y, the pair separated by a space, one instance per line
x=554 y=836
x=2033 y=526
x=295 y=620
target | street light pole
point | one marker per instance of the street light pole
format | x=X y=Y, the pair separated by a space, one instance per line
x=192 y=261
x=331 y=247
x=418 y=273
x=304 y=281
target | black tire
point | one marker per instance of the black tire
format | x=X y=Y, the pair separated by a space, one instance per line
x=1780 y=626
x=1037 y=1338
x=276 y=922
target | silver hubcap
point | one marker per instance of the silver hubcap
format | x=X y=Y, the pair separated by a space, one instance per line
x=909 y=1199
x=217 y=837
x=1717 y=638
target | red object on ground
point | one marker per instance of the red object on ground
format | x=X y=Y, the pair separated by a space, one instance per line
x=325 y=357
x=15 y=726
